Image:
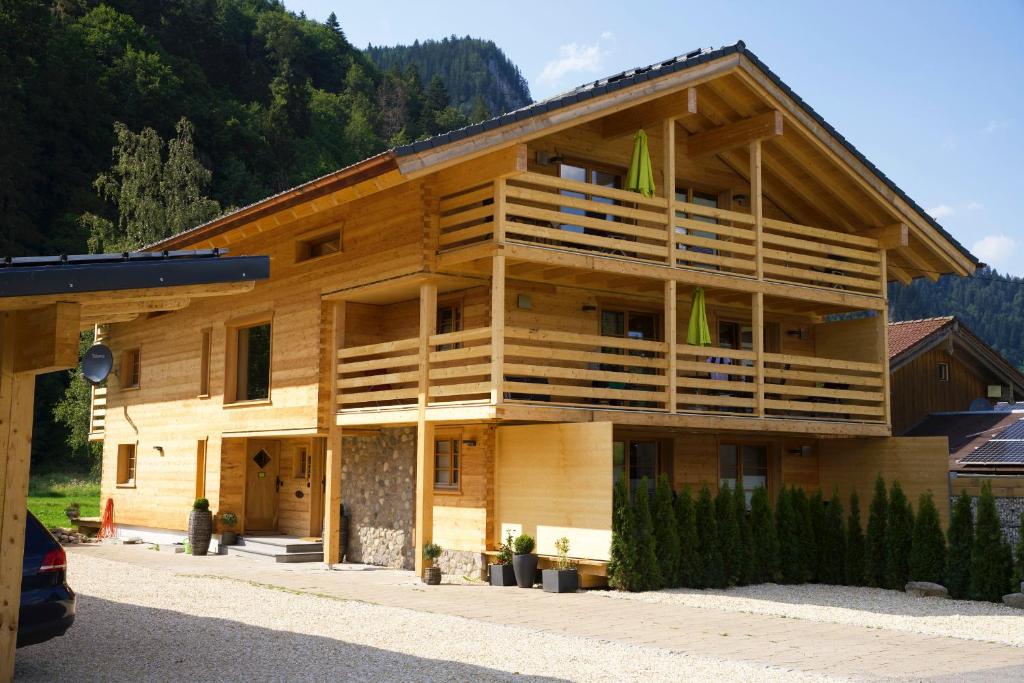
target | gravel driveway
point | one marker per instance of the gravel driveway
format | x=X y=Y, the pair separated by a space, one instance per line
x=141 y=623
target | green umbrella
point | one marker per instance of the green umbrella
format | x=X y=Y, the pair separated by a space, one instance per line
x=641 y=174
x=698 y=332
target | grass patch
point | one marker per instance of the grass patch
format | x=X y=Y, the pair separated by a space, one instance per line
x=49 y=494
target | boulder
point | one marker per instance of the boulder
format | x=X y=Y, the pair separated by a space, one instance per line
x=926 y=589
x=1014 y=600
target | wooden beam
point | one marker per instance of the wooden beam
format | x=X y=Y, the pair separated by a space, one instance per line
x=682 y=103
x=757 y=323
x=671 y=328
x=893 y=236
x=424 y=522
x=900 y=274
x=46 y=339
x=757 y=207
x=733 y=135
x=497 y=327
x=501 y=162
x=332 y=456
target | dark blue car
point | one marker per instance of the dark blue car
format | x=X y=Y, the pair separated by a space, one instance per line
x=47 y=602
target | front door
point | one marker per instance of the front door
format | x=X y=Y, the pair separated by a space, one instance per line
x=261 y=470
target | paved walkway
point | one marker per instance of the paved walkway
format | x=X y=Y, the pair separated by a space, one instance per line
x=812 y=647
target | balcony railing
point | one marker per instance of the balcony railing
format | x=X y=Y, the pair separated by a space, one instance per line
x=541 y=210
x=566 y=369
x=98 y=411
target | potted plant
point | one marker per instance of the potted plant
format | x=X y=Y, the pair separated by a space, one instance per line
x=431 y=573
x=228 y=520
x=564 y=578
x=502 y=573
x=73 y=511
x=200 y=527
x=524 y=562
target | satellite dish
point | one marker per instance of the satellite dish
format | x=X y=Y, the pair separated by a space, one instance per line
x=980 y=405
x=97 y=363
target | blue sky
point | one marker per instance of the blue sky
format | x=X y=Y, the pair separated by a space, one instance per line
x=931 y=92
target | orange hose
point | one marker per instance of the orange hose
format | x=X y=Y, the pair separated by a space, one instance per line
x=107 y=521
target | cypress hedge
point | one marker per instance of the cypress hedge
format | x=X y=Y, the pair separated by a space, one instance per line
x=666 y=533
x=855 y=547
x=764 y=556
x=728 y=534
x=1018 y=572
x=622 y=572
x=832 y=567
x=686 y=524
x=648 y=574
x=807 y=549
x=899 y=535
x=816 y=515
x=745 y=549
x=991 y=559
x=874 y=558
x=712 y=574
x=928 y=551
x=961 y=545
x=788 y=527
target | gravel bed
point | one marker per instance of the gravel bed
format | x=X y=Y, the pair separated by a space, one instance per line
x=137 y=623
x=870 y=607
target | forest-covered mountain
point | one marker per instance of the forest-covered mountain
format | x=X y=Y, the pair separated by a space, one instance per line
x=992 y=305
x=470 y=67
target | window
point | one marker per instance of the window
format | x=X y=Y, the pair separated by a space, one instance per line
x=249 y=367
x=301 y=463
x=588 y=173
x=630 y=325
x=638 y=458
x=446 y=464
x=126 y=464
x=449 y=319
x=701 y=199
x=943 y=372
x=201 y=468
x=745 y=465
x=324 y=244
x=131 y=369
x=204 y=363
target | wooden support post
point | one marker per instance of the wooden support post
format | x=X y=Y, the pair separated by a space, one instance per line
x=757 y=325
x=497 y=327
x=332 y=455
x=669 y=181
x=757 y=206
x=671 y=326
x=424 y=524
x=883 y=340
x=499 y=210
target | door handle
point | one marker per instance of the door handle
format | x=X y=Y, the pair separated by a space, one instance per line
x=277 y=484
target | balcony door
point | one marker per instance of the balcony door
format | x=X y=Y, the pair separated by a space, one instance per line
x=591 y=174
x=635 y=459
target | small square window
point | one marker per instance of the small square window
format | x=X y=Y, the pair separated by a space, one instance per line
x=943 y=372
x=131 y=369
x=324 y=244
x=126 y=464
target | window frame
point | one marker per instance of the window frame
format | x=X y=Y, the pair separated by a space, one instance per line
x=458 y=320
x=131 y=369
x=455 y=465
x=943 y=371
x=305 y=244
x=231 y=359
x=739 y=445
x=205 y=354
x=130 y=453
x=665 y=458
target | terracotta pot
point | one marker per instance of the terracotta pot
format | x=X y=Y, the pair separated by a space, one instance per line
x=200 y=531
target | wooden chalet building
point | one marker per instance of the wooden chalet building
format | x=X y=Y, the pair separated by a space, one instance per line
x=483 y=331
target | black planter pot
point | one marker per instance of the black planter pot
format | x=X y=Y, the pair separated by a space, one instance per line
x=200 y=531
x=502 y=574
x=432 y=576
x=560 y=580
x=525 y=567
x=228 y=538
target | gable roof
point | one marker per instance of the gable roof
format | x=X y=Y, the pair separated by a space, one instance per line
x=910 y=338
x=979 y=442
x=388 y=160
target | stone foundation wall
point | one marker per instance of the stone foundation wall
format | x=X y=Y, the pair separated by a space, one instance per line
x=463 y=563
x=378 y=489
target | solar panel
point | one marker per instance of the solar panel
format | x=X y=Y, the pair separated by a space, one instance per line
x=1014 y=431
x=1006 y=448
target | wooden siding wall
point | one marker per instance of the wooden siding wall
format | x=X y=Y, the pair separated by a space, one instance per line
x=917 y=391
x=463 y=519
x=556 y=480
x=166 y=410
x=1002 y=487
x=696 y=461
x=854 y=340
x=920 y=464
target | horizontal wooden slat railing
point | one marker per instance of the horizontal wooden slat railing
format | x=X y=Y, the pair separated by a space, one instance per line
x=467 y=217
x=804 y=386
x=823 y=258
x=570 y=369
x=711 y=379
x=380 y=375
x=98 y=410
x=460 y=367
x=723 y=241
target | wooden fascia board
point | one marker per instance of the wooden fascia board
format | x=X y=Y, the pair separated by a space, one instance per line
x=757 y=80
x=734 y=135
x=681 y=103
x=428 y=161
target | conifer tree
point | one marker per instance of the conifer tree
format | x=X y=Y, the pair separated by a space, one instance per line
x=622 y=573
x=648 y=576
x=744 y=549
x=728 y=533
x=855 y=548
x=816 y=515
x=690 y=569
x=1018 y=559
x=666 y=536
x=991 y=559
x=928 y=551
x=961 y=545
x=833 y=556
x=899 y=537
x=764 y=560
x=712 y=574
x=874 y=558
x=807 y=549
x=791 y=567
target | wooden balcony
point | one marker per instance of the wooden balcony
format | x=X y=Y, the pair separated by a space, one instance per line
x=571 y=370
x=97 y=413
x=556 y=214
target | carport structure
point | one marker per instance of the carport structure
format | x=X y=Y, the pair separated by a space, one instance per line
x=44 y=303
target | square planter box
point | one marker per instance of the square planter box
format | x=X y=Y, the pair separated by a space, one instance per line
x=560 y=580
x=502 y=574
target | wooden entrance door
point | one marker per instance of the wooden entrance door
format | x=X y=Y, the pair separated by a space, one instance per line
x=261 y=479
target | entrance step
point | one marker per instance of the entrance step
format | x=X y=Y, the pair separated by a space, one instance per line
x=279 y=548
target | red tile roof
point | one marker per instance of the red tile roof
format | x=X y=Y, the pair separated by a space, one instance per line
x=904 y=335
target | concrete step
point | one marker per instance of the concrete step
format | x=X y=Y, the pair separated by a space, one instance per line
x=271 y=556
x=280 y=544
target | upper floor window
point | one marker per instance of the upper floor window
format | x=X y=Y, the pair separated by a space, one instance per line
x=943 y=369
x=594 y=175
x=131 y=369
x=449 y=319
x=204 y=362
x=249 y=363
x=322 y=244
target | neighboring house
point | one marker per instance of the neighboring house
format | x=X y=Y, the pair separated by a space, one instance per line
x=485 y=330
x=985 y=446
x=939 y=365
